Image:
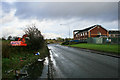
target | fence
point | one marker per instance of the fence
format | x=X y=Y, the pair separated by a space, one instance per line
x=101 y=40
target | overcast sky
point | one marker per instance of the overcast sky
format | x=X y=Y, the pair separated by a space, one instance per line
x=49 y=15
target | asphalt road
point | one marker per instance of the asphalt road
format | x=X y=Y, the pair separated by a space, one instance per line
x=71 y=62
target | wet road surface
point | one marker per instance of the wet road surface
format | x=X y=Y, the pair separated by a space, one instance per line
x=76 y=63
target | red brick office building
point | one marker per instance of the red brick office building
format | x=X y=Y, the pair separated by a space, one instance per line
x=93 y=31
x=114 y=33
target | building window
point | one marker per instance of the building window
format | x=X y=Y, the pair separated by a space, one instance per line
x=109 y=35
x=79 y=34
x=114 y=35
x=99 y=33
x=83 y=34
x=76 y=35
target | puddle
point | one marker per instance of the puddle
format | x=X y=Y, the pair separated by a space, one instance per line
x=45 y=69
x=52 y=59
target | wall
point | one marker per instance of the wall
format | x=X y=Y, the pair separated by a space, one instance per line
x=103 y=40
x=95 y=31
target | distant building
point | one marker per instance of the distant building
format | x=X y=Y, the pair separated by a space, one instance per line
x=114 y=33
x=93 y=31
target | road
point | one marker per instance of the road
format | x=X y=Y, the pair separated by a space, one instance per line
x=71 y=62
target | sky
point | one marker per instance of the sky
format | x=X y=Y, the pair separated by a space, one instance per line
x=56 y=18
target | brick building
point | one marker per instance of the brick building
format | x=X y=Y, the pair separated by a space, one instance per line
x=114 y=33
x=93 y=31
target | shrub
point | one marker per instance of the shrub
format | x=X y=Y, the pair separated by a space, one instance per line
x=5 y=49
x=36 y=40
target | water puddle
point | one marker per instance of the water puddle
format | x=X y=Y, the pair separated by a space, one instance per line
x=45 y=69
x=52 y=59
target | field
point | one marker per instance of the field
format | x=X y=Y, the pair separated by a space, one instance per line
x=100 y=47
x=15 y=58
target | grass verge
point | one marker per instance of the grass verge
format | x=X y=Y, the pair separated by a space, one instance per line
x=17 y=57
x=99 y=47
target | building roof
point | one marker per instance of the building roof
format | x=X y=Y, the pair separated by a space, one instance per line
x=76 y=30
x=86 y=29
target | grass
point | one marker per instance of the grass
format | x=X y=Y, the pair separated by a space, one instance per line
x=16 y=63
x=100 y=47
x=17 y=57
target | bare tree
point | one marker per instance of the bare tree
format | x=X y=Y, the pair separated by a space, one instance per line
x=9 y=37
x=3 y=38
x=36 y=39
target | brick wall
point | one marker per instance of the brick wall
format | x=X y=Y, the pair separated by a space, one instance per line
x=98 y=31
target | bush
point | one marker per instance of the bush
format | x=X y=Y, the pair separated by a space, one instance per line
x=36 y=40
x=65 y=43
x=73 y=42
x=5 y=49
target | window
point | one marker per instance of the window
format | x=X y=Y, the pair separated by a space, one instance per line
x=76 y=35
x=99 y=33
x=83 y=34
x=114 y=35
x=79 y=34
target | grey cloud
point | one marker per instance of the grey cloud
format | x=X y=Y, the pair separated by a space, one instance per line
x=107 y=11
